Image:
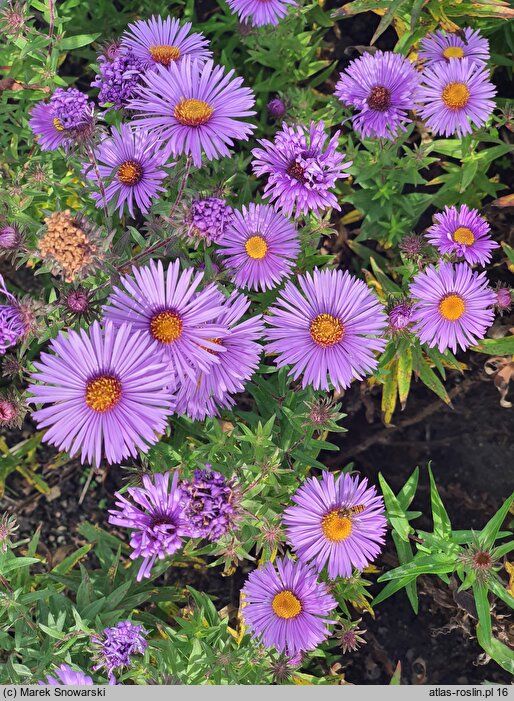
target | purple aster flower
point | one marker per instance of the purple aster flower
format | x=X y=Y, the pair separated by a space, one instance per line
x=276 y=108
x=209 y=219
x=453 y=306
x=301 y=169
x=287 y=609
x=65 y=676
x=209 y=501
x=382 y=86
x=167 y=308
x=454 y=94
x=163 y=42
x=260 y=12
x=328 y=333
x=117 y=79
x=64 y=121
x=156 y=518
x=400 y=316
x=131 y=164
x=205 y=394
x=464 y=233
x=12 y=324
x=336 y=522
x=442 y=46
x=105 y=391
x=196 y=106
x=260 y=248
x=118 y=645
x=198 y=405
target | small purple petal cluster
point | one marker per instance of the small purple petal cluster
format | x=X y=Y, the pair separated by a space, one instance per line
x=209 y=219
x=66 y=676
x=118 y=646
x=276 y=108
x=400 y=316
x=302 y=168
x=209 y=503
x=12 y=324
x=118 y=79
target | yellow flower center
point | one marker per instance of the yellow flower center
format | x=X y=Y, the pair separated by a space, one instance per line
x=103 y=393
x=464 y=235
x=456 y=95
x=326 y=330
x=163 y=54
x=453 y=52
x=58 y=124
x=130 y=173
x=452 y=307
x=256 y=247
x=166 y=326
x=336 y=527
x=192 y=112
x=286 y=605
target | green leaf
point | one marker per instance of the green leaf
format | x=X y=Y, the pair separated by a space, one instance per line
x=480 y=593
x=69 y=43
x=395 y=513
x=404 y=374
x=490 y=531
x=389 y=394
x=396 y=679
x=497 y=650
x=442 y=525
x=408 y=491
x=69 y=562
x=438 y=563
x=496 y=346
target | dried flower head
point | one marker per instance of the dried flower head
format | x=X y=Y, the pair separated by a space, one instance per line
x=413 y=246
x=210 y=503
x=71 y=242
x=12 y=367
x=349 y=636
x=77 y=303
x=12 y=410
x=8 y=526
x=13 y=18
x=479 y=560
x=10 y=240
x=323 y=414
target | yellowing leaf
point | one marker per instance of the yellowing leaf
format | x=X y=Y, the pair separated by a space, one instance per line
x=509 y=568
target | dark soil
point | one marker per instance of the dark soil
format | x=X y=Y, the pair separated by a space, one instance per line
x=470 y=446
